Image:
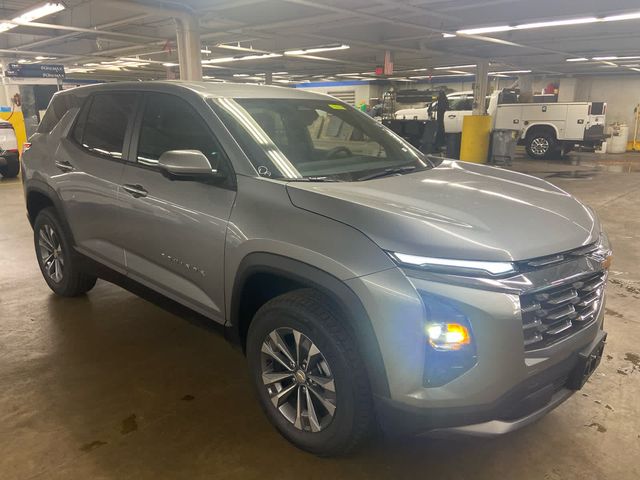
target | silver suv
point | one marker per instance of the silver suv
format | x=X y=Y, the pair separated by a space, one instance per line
x=366 y=282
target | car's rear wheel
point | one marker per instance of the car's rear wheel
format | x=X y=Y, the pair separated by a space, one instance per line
x=310 y=380
x=57 y=261
x=540 y=144
x=11 y=169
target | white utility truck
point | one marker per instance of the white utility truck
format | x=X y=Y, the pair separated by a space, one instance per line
x=545 y=128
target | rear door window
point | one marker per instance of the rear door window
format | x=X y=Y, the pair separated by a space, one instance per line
x=103 y=124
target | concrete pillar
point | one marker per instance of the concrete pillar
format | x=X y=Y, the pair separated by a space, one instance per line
x=481 y=88
x=525 y=82
x=268 y=78
x=188 y=40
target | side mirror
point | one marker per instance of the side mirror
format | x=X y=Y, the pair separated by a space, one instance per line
x=187 y=165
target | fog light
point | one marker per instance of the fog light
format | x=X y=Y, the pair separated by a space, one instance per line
x=448 y=336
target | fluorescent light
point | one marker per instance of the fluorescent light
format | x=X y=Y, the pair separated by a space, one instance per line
x=205 y=50
x=258 y=56
x=578 y=59
x=609 y=64
x=40 y=57
x=448 y=35
x=31 y=15
x=455 y=66
x=327 y=48
x=615 y=57
x=241 y=75
x=476 y=31
x=39 y=12
x=509 y=71
x=624 y=16
x=635 y=69
x=170 y=64
x=557 y=23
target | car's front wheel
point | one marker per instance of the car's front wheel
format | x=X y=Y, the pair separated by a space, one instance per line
x=310 y=380
x=56 y=259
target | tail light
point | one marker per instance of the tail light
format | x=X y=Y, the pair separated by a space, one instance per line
x=26 y=146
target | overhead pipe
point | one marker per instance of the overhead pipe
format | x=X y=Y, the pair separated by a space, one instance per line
x=187 y=32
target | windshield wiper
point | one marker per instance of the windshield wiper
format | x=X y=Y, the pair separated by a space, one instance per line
x=389 y=171
x=314 y=179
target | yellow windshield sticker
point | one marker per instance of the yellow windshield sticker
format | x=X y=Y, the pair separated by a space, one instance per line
x=337 y=106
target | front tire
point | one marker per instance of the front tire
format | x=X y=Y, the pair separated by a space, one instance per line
x=540 y=145
x=58 y=263
x=309 y=378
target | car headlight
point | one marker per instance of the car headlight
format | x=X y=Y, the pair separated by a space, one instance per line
x=454 y=266
x=449 y=347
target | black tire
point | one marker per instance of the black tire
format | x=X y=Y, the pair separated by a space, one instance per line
x=72 y=281
x=541 y=144
x=11 y=169
x=313 y=315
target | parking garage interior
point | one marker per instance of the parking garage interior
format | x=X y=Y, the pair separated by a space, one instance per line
x=124 y=382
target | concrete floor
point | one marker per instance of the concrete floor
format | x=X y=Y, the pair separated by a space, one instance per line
x=111 y=386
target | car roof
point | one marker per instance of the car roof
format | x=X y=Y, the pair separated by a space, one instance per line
x=204 y=89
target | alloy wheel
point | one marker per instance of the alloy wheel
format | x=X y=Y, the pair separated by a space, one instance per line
x=51 y=255
x=298 y=379
x=540 y=146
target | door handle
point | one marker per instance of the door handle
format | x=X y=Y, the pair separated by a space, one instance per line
x=65 y=166
x=452 y=116
x=136 y=191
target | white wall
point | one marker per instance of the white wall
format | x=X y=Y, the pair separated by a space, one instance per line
x=621 y=92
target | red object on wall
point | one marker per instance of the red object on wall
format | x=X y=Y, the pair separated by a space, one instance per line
x=379 y=71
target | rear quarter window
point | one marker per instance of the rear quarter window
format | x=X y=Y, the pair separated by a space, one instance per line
x=58 y=106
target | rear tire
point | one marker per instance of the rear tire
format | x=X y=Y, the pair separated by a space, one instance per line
x=341 y=415
x=540 y=145
x=56 y=258
x=11 y=169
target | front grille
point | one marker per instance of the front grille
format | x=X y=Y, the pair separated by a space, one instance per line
x=554 y=313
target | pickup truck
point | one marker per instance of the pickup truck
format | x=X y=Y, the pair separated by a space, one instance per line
x=545 y=128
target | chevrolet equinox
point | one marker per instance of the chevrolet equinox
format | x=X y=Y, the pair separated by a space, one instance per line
x=368 y=284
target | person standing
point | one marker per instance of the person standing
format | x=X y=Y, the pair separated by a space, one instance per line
x=442 y=106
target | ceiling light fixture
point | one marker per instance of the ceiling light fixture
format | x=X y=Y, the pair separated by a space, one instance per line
x=324 y=48
x=170 y=64
x=557 y=23
x=455 y=66
x=624 y=16
x=505 y=72
x=258 y=56
x=635 y=69
x=31 y=15
x=578 y=59
x=448 y=35
x=551 y=23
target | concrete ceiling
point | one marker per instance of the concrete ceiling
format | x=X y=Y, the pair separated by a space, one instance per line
x=89 y=32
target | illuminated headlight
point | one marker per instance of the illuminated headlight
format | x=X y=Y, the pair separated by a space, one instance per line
x=449 y=346
x=454 y=266
x=448 y=336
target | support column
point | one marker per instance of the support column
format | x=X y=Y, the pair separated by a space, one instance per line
x=481 y=88
x=268 y=78
x=188 y=40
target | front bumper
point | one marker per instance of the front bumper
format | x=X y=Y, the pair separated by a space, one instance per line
x=509 y=386
x=522 y=405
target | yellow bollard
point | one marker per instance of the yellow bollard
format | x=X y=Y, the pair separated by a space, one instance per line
x=476 y=130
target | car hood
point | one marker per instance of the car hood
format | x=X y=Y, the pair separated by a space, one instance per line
x=457 y=210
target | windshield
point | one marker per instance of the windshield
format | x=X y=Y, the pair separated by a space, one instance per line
x=315 y=140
